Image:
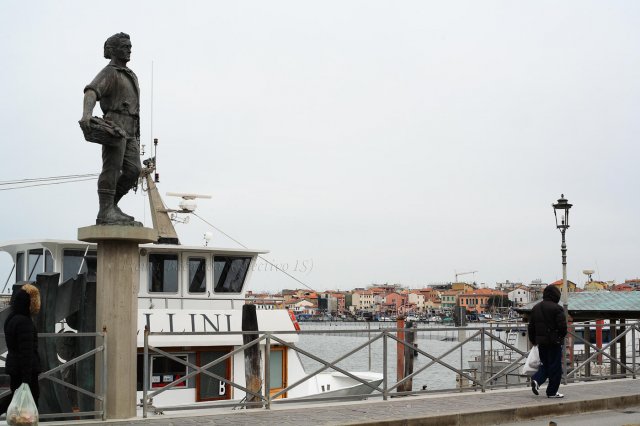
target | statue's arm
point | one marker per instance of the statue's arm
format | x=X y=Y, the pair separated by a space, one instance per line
x=90 y=99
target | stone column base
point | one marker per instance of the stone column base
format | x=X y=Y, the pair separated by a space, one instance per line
x=118 y=276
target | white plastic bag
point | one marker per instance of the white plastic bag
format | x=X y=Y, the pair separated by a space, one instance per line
x=532 y=363
x=22 y=411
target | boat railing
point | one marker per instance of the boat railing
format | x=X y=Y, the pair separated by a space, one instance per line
x=164 y=301
x=616 y=358
x=87 y=367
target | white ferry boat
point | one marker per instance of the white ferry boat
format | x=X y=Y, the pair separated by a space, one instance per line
x=182 y=289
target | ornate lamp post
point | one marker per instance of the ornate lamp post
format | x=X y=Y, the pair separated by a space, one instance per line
x=561 y=212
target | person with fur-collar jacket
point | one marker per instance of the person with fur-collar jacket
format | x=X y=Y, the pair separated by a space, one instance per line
x=23 y=361
x=547 y=329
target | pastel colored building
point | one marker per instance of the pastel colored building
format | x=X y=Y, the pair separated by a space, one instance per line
x=521 y=295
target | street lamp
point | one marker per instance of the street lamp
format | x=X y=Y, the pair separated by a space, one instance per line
x=561 y=212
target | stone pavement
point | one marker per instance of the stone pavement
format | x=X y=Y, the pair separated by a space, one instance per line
x=469 y=408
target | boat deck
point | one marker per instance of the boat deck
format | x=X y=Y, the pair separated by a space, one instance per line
x=469 y=408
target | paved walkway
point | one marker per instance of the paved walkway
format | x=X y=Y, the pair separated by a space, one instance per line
x=469 y=408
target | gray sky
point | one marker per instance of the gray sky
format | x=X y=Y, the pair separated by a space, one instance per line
x=383 y=141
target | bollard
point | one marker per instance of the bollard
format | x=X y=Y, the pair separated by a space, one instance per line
x=408 y=357
x=252 y=371
x=400 y=352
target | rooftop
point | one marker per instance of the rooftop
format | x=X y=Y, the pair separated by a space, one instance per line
x=600 y=304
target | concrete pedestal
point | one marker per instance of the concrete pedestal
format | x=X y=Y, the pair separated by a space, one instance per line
x=118 y=275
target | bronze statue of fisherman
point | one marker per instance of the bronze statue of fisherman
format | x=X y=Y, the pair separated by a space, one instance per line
x=116 y=88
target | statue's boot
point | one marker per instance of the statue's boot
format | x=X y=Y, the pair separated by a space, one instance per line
x=117 y=199
x=108 y=214
x=115 y=206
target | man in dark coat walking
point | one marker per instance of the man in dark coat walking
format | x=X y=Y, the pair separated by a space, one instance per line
x=547 y=329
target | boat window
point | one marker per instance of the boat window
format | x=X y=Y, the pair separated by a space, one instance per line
x=229 y=273
x=35 y=264
x=20 y=266
x=277 y=368
x=163 y=273
x=197 y=275
x=73 y=261
x=209 y=387
x=180 y=370
x=165 y=370
x=48 y=261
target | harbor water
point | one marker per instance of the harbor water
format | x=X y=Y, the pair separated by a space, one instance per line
x=337 y=341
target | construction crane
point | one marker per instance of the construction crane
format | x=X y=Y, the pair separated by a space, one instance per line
x=464 y=273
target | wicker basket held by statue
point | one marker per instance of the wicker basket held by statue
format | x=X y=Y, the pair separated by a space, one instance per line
x=103 y=132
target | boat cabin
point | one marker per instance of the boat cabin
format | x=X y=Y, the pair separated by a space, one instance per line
x=182 y=289
x=167 y=271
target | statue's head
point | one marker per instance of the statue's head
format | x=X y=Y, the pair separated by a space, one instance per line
x=118 y=46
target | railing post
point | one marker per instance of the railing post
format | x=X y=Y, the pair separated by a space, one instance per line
x=267 y=371
x=385 y=392
x=633 y=349
x=587 y=348
x=490 y=360
x=482 y=366
x=104 y=373
x=613 y=347
x=599 y=327
x=623 y=346
x=369 y=346
x=145 y=372
x=565 y=366
x=461 y=337
x=571 y=349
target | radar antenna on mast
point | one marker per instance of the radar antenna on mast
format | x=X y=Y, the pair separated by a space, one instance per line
x=187 y=205
x=588 y=273
x=162 y=222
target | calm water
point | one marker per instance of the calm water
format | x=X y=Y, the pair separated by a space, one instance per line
x=331 y=345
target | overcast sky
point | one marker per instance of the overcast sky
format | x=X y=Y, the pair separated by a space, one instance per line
x=378 y=141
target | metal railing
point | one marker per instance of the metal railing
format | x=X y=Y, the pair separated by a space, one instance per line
x=603 y=363
x=53 y=375
x=496 y=357
x=447 y=350
x=268 y=338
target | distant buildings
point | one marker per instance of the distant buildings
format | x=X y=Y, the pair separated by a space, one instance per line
x=507 y=286
x=362 y=300
x=265 y=301
x=392 y=300
x=521 y=295
x=596 y=286
x=622 y=287
x=448 y=299
x=634 y=282
x=571 y=286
